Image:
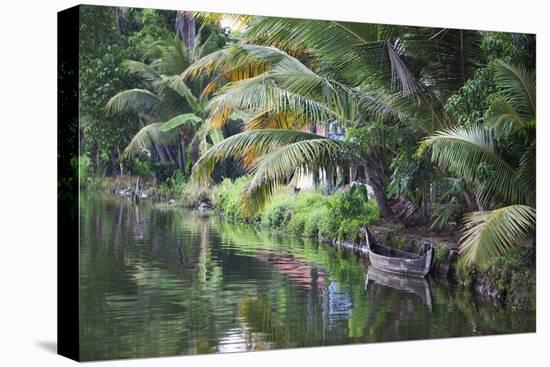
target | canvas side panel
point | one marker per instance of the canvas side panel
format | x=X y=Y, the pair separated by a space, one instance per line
x=67 y=184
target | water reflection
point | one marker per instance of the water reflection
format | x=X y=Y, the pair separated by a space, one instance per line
x=159 y=282
x=415 y=285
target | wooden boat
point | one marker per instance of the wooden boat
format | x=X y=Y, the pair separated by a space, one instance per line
x=399 y=262
x=415 y=285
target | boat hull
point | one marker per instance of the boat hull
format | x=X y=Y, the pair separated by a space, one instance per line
x=401 y=262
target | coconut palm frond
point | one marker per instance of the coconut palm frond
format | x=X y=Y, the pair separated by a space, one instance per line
x=256 y=142
x=258 y=94
x=527 y=172
x=276 y=168
x=303 y=94
x=147 y=138
x=169 y=56
x=331 y=39
x=372 y=52
x=502 y=117
x=489 y=234
x=179 y=86
x=271 y=120
x=133 y=100
x=450 y=56
x=518 y=86
x=239 y=61
x=463 y=150
x=142 y=69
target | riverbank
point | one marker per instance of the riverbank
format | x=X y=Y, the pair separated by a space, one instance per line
x=337 y=219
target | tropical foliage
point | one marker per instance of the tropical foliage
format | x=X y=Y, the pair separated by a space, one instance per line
x=439 y=123
x=168 y=110
x=498 y=160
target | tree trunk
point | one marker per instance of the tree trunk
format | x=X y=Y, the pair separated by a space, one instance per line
x=120 y=165
x=181 y=148
x=379 y=189
x=97 y=162
x=329 y=179
x=315 y=171
x=167 y=151
x=352 y=173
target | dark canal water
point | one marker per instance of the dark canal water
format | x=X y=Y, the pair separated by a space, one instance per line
x=169 y=282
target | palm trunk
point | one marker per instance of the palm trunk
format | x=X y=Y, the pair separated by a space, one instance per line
x=97 y=162
x=376 y=182
x=315 y=171
x=329 y=179
x=352 y=173
x=181 y=149
x=167 y=151
x=160 y=152
x=120 y=165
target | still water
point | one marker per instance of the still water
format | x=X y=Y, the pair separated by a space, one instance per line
x=169 y=282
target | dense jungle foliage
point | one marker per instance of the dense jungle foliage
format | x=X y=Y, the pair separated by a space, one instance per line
x=439 y=124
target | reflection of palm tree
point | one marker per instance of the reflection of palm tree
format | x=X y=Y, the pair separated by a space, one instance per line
x=259 y=316
x=205 y=257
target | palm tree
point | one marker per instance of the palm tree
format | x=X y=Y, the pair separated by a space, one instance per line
x=278 y=92
x=279 y=88
x=498 y=160
x=168 y=105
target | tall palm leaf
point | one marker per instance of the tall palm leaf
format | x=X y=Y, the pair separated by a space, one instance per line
x=490 y=234
x=270 y=80
x=463 y=150
x=514 y=109
x=245 y=144
x=274 y=155
x=276 y=168
x=133 y=100
x=510 y=186
x=149 y=137
x=168 y=99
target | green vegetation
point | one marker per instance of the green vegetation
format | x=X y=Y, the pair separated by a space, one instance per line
x=506 y=183
x=439 y=123
x=83 y=166
x=225 y=198
x=339 y=216
x=441 y=254
x=511 y=277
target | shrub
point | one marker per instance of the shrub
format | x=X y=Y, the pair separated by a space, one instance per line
x=513 y=276
x=441 y=254
x=355 y=203
x=164 y=171
x=83 y=166
x=350 y=230
x=278 y=212
x=338 y=216
x=226 y=197
x=139 y=167
x=177 y=181
x=465 y=272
